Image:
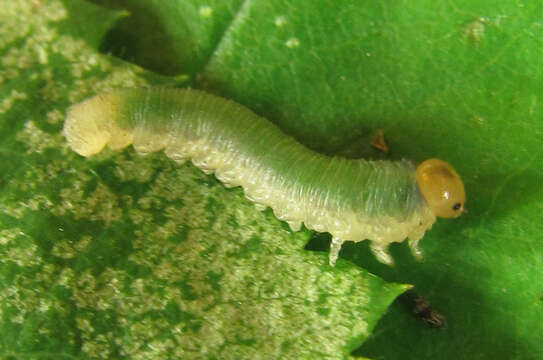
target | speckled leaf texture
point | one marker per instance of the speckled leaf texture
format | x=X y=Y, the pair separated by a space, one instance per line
x=120 y=256
x=128 y=257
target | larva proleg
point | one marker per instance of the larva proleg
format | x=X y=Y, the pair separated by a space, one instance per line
x=352 y=199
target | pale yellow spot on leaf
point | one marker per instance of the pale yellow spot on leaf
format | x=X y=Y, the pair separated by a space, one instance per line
x=9 y=235
x=205 y=11
x=280 y=21
x=475 y=30
x=37 y=140
x=9 y=100
x=292 y=43
x=55 y=117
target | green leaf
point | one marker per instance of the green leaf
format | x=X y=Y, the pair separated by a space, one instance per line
x=121 y=256
x=458 y=80
x=170 y=37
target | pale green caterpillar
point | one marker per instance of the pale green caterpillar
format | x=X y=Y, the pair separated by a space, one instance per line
x=352 y=199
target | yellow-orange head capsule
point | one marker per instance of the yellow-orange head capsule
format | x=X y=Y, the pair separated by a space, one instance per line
x=441 y=187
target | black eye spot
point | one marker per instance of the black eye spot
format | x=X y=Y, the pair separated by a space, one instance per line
x=456 y=206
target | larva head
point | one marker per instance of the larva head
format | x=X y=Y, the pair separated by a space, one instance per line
x=441 y=187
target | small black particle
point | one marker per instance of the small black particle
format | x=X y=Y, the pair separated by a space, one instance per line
x=422 y=309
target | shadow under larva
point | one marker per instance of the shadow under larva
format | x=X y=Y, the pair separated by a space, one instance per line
x=352 y=199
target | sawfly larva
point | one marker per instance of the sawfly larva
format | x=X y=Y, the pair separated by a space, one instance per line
x=352 y=199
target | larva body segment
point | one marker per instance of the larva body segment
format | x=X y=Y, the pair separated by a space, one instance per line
x=353 y=199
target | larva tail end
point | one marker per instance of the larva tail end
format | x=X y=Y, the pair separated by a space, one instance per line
x=88 y=125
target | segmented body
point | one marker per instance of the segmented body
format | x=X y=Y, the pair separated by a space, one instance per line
x=353 y=199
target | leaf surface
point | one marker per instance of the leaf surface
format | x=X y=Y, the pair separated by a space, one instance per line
x=121 y=256
x=458 y=80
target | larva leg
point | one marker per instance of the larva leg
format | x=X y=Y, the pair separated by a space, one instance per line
x=415 y=250
x=381 y=253
x=295 y=225
x=335 y=247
